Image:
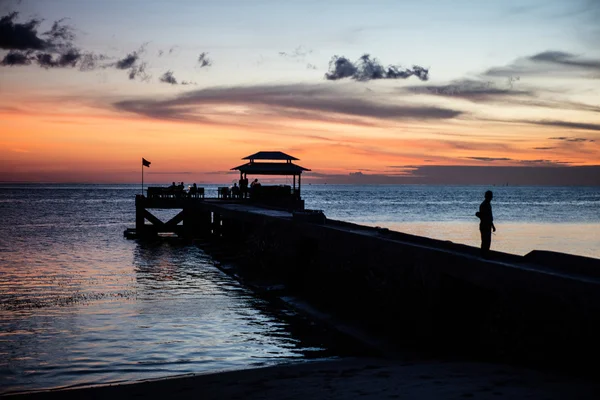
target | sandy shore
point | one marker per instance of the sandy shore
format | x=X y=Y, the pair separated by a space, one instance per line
x=356 y=378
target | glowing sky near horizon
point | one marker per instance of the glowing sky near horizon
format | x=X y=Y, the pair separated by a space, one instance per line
x=511 y=83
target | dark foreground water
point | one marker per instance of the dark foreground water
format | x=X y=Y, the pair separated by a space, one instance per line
x=79 y=304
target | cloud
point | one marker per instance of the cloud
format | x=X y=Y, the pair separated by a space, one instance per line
x=68 y=59
x=16 y=58
x=203 y=60
x=549 y=63
x=128 y=61
x=571 y=139
x=544 y=148
x=469 y=89
x=168 y=77
x=491 y=159
x=530 y=174
x=534 y=172
x=21 y=36
x=299 y=53
x=366 y=69
x=55 y=48
x=132 y=62
x=490 y=91
x=52 y=49
x=567 y=124
x=550 y=163
x=312 y=101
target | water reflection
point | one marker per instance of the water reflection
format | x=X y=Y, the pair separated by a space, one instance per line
x=177 y=314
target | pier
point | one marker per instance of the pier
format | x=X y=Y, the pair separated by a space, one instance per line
x=539 y=309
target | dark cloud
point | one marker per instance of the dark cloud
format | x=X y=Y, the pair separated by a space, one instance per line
x=52 y=49
x=21 y=36
x=132 y=62
x=55 y=49
x=566 y=124
x=313 y=100
x=549 y=163
x=571 y=139
x=15 y=58
x=544 y=148
x=490 y=159
x=203 y=60
x=89 y=61
x=367 y=68
x=168 y=77
x=549 y=63
x=139 y=71
x=68 y=59
x=60 y=36
x=127 y=62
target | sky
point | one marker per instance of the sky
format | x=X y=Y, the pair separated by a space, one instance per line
x=465 y=92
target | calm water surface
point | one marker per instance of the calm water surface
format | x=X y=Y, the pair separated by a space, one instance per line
x=565 y=219
x=79 y=304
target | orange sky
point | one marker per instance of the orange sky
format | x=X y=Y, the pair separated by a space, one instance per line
x=83 y=144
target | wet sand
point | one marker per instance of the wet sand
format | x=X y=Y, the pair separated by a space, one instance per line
x=356 y=378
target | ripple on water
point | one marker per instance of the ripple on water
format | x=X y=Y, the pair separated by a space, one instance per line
x=81 y=305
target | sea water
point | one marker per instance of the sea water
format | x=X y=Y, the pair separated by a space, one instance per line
x=81 y=305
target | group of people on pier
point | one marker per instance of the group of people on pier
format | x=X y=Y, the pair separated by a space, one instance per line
x=241 y=191
x=178 y=190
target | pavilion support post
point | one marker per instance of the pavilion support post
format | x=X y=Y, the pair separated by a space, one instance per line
x=139 y=214
x=299 y=183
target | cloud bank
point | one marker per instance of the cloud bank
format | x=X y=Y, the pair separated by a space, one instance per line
x=316 y=102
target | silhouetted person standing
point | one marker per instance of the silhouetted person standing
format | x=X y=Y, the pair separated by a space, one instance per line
x=486 y=224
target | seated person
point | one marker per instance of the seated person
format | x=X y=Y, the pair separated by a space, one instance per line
x=235 y=191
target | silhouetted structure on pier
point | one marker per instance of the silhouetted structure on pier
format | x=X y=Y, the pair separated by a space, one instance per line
x=197 y=211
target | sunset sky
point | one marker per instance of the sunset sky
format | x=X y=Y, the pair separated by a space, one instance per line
x=450 y=91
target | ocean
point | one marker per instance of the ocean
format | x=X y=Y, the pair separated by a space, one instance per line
x=81 y=305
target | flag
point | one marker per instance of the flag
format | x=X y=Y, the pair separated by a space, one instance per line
x=145 y=163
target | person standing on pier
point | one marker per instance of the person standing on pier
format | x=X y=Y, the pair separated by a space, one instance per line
x=486 y=223
x=244 y=186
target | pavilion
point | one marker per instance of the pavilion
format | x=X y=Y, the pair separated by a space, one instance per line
x=256 y=165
